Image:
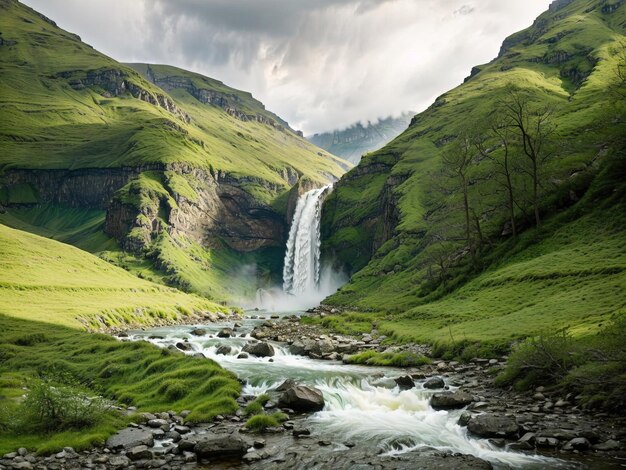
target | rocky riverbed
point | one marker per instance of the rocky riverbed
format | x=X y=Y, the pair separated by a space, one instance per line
x=539 y=422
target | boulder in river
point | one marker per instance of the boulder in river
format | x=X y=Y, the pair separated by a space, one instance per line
x=450 y=400
x=297 y=348
x=302 y=398
x=184 y=346
x=225 y=333
x=405 y=382
x=224 y=350
x=492 y=425
x=198 y=332
x=434 y=383
x=286 y=385
x=220 y=445
x=260 y=349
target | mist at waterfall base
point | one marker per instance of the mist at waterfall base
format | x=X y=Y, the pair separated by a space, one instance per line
x=305 y=281
x=277 y=300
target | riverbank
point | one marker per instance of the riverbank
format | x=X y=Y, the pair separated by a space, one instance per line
x=396 y=402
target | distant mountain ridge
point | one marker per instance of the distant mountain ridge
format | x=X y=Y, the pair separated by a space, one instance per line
x=356 y=140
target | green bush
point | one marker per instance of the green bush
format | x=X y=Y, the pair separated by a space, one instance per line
x=54 y=408
x=543 y=360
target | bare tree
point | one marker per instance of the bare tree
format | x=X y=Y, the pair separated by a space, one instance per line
x=500 y=129
x=457 y=160
x=533 y=127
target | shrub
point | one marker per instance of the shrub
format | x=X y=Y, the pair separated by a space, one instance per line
x=49 y=408
x=545 y=359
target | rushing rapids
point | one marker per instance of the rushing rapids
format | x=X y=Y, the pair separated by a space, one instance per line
x=363 y=404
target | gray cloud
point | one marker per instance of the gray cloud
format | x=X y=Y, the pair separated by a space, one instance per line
x=319 y=64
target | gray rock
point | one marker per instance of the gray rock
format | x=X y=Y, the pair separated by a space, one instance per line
x=301 y=431
x=186 y=445
x=221 y=445
x=302 y=398
x=184 y=346
x=119 y=461
x=450 y=400
x=490 y=425
x=22 y=466
x=182 y=429
x=546 y=442
x=464 y=419
x=130 y=437
x=405 y=382
x=260 y=349
x=297 y=348
x=225 y=333
x=608 y=445
x=157 y=423
x=139 y=453
x=198 y=332
x=286 y=385
x=242 y=355
x=578 y=443
x=434 y=383
x=224 y=350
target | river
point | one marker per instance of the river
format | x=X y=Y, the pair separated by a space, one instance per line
x=362 y=403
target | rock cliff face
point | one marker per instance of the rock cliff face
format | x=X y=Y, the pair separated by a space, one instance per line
x=116 y=82
x=221 y=209
x=229 y=101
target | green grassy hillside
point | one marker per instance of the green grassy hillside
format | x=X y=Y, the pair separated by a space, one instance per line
x=50 y=293
x=65 y=105
x=48 y=281
x=397 y=221
x=138 y=148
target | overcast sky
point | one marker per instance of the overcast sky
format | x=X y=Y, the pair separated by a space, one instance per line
x=319 y=64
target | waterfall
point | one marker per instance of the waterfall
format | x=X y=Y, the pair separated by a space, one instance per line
x=301 y=272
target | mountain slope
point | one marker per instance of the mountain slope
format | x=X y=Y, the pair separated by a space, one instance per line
x=397 y=221
x=178 y=176
x=47 y=281
x=357 y=140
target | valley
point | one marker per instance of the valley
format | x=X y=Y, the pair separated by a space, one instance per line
x=187 y=282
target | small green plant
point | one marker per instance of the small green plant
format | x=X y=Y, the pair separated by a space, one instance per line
x=260 y=422
x=400 y=359
x=255 y=407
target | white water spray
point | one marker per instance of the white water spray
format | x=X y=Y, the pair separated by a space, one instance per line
x=305 y=281
x=301 y=272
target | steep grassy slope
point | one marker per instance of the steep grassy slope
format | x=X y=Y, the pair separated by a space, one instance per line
x=357 y=140
x=175 y=175
x=50 y=293
x=65 y=105
x=48 y=281
x=397 y=220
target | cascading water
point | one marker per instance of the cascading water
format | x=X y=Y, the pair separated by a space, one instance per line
x=363 y=404
x=301 y=272
x=305 y=281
